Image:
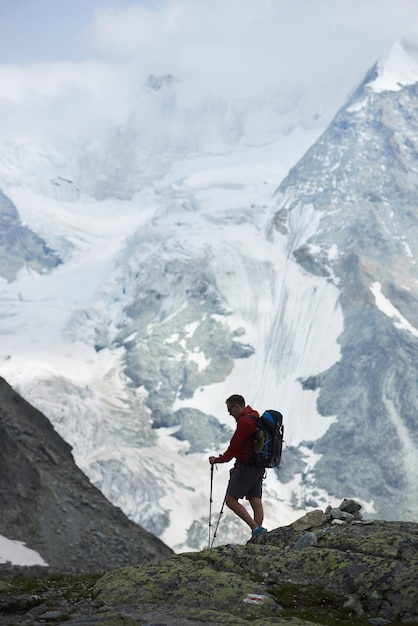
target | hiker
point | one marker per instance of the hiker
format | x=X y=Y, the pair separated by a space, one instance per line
x=246 y=478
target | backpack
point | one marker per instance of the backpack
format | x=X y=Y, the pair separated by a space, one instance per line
x=267 y=439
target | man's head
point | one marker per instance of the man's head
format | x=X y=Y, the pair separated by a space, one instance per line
x=235 y=405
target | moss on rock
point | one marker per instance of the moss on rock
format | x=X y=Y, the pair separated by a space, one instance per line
x=271 y=581
x=353 y=572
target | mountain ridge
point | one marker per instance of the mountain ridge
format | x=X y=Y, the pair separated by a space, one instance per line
x=375 y=248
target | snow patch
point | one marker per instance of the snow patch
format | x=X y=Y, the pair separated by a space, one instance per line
x=303 y=222
x=357 y=106
x=333 y=252
x=400 y=68
x=385 y=305
x=16 y=553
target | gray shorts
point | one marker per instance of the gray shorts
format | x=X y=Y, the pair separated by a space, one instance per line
x=246 y=482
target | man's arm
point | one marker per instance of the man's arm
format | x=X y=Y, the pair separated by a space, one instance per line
x=235 y=445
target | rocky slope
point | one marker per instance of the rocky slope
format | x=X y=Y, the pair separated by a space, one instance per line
x=20 y=247
x=312 y=569
x=50 y=505
x=358 y=186
x=327 y=567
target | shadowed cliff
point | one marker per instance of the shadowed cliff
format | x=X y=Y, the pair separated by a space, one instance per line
x=50 y=505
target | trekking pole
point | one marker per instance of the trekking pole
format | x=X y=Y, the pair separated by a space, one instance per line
x=219 y=519
x=210 y=503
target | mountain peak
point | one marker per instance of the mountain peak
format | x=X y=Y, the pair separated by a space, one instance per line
x=398 y=68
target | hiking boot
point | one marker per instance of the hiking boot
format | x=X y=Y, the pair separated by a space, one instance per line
x=258 y=531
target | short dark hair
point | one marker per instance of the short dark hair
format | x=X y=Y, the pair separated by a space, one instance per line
x=235 y=399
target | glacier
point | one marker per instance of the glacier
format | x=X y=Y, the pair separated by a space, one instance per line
x=216 y=209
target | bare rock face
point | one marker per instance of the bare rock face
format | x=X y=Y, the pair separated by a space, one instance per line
x=50 y=505
x=19 y=246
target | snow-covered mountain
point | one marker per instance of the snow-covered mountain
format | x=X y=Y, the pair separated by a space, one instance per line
x=174 y=272
x=359 y=180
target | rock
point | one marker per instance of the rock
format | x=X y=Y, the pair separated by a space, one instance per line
x=310 y=520
x=348 y=567
x=351 y=506
x=348 y=573
x=354 y=603
x=307 y=539
x=348 y=511
x=52 y=616
x=335 y=513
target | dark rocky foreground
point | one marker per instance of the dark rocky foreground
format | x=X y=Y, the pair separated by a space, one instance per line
x=326 y=568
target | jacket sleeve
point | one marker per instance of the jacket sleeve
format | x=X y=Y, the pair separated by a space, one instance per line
x=239 y=439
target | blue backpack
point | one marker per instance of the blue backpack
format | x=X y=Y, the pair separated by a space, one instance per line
x=267 y=439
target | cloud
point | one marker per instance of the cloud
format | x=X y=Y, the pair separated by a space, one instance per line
x=244 y=45
x=62 y=101
x=304 y=55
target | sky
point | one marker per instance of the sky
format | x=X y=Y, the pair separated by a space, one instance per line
x=88 y=58
x=75 y=30
x=208 y=33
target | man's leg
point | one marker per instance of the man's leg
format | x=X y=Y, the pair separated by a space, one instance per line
x=257 y=507
x=241 y=511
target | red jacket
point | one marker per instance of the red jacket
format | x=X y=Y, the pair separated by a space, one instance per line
x=240 y=445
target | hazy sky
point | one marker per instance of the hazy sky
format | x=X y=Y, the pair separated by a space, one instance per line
x=73 y=30
x=100 y=48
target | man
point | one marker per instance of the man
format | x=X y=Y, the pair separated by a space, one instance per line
x=246 y=478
